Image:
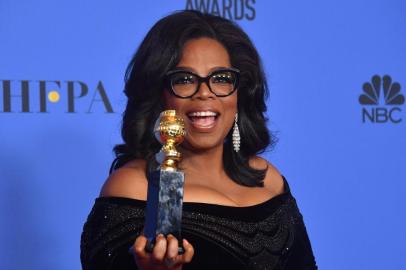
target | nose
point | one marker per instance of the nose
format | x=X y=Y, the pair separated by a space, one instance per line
x=204 y=91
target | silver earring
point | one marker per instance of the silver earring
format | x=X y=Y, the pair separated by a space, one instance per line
x=236 y=135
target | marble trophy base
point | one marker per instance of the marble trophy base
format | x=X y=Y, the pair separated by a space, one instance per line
x=164 y=206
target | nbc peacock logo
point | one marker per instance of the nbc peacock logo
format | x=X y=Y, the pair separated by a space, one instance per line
x=378 y=92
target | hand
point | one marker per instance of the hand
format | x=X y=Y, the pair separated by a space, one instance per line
x=164 y=256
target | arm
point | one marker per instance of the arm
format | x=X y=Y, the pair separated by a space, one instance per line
x=112 y=236
x=300 y=256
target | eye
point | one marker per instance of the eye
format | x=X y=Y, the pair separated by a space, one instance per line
x=223 y=77
x=182 y=78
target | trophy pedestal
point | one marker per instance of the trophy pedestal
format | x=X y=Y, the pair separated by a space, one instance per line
x=164 y=206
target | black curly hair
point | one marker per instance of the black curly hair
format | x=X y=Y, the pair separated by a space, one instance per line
x=159 y=52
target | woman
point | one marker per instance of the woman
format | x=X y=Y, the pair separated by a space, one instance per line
x=238 y=211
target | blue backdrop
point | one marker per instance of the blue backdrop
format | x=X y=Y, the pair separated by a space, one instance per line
x=61 y=79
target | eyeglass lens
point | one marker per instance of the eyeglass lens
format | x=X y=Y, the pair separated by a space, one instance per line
x=221 y=83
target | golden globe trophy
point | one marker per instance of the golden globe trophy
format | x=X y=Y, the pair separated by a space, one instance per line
x=165 y=185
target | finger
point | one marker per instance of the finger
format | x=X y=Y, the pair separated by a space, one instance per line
x=189 y=251
x=172 y=247
x=139 y=247
x=158 y=253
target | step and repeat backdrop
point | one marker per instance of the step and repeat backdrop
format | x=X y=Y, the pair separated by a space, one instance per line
x=337 y=77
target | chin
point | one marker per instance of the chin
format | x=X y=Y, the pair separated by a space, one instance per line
x=202 y=144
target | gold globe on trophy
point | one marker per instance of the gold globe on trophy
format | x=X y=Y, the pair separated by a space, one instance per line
x=170 y=131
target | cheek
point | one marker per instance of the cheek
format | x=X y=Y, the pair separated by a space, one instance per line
x=169 y=101
x=231 y=109
x=231 y=104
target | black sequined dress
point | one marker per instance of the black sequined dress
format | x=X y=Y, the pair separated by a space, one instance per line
x=269 y=235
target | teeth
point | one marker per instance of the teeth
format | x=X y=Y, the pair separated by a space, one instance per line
x=208 y=113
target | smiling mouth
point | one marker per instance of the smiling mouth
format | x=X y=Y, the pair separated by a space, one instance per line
x=203 y=119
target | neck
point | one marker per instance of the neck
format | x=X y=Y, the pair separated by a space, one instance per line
x=205 y=162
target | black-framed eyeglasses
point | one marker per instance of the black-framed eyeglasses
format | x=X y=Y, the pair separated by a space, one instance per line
x=185 y=84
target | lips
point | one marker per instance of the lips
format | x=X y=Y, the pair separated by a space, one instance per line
x=203 y=120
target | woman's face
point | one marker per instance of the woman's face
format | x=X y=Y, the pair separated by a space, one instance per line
x=208 y=118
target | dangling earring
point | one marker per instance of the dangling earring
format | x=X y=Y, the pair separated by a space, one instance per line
x=236 y=135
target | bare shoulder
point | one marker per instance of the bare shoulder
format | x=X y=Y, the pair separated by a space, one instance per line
x=273 y=180
x=128 y=181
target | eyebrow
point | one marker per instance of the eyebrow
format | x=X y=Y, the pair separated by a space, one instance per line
x=182 y=68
